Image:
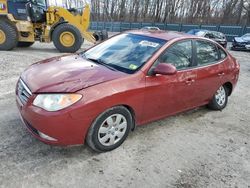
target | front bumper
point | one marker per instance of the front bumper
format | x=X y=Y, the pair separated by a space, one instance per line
x=57 y=128
x=241 y=46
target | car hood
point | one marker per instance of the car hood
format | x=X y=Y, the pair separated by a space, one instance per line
x=240 y=39
x=66 y=74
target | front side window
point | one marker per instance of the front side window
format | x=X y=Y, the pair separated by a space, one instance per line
x=179 y=55
x=207 y=53
x=125 y=52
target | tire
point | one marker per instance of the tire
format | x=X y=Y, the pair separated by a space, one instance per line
x=100 y=36
x=25 y=44
x=220 y=99
x=100 y=134
x=105 y=34
x=64 y=45
x=8 y=35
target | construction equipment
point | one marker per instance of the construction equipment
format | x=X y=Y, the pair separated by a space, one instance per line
x=22 y=22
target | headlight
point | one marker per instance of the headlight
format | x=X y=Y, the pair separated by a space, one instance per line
x=55 y=102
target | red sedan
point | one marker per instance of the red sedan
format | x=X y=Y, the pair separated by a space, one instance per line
x=136 y=77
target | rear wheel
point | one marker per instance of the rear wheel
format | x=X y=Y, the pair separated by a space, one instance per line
x=8 y=35
x=110 y=129
x=25 y=44
x=67 y=38
x=220 y=99
x=100 y=36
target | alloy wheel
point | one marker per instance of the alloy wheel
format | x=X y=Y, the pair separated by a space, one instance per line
x=220 y=96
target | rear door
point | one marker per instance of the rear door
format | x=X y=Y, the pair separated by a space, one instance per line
x=210 y=70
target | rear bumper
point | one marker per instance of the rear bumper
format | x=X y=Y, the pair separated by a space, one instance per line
x=61 y=127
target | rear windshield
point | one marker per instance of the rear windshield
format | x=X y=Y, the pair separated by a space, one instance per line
x=219 y=35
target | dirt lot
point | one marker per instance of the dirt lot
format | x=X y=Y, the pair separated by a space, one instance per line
x=199 y=148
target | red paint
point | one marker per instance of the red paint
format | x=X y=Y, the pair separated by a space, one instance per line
x=165 y=69
x=66 y=74
x=150 y=97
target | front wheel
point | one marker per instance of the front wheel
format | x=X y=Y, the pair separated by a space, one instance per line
x=220 y=99
x=110 y=129
x=67 y=38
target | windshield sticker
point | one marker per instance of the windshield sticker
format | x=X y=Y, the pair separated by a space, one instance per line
x=148 y=43
x=133 y=67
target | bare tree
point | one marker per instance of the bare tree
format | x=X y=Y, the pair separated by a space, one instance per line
x=173 y=11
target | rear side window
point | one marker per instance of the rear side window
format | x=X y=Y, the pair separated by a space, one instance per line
x=223 y=54
x=179 y=55
x=207 y=53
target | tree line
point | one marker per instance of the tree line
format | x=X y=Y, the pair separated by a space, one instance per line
x=173 y=11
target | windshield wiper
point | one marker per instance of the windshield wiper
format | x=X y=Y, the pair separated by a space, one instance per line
x=101 y=62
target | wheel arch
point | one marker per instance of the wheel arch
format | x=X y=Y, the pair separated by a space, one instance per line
x=229 y=86
x=132 y=112
x=62 y=21
x=128 y=107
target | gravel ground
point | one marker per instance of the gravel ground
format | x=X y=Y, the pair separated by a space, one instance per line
x=199 y=148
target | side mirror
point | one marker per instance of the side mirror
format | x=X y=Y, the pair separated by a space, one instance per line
x=165 y=69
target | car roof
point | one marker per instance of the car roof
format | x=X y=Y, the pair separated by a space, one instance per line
x=165 y=35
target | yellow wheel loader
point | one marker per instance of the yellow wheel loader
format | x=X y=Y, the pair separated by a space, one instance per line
x=22 y=22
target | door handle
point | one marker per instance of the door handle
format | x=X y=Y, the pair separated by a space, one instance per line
x=221 y=74
x=190 y=81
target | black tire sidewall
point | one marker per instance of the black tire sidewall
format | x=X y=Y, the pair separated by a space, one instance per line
x=92 y=138
x=10 y=34
x=70 y=28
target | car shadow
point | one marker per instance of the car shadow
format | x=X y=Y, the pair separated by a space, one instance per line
x=24 y=150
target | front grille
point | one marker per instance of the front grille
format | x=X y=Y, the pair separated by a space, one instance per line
x=23 y=92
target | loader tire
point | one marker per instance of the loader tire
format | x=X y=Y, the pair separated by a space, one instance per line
x=105 y=34
x=25 y=44
x=67 y=38
x=8 y=35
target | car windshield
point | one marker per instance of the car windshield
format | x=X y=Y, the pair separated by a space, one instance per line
x=246 y=36
x=200 y=33
x=125 y=52
x=219 y=35
x=195 y=31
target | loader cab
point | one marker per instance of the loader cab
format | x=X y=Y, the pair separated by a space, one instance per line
x=21 y=9
x=36 y=9
x=18 y=9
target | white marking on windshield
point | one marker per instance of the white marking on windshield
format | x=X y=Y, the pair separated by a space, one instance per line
x=148 y=43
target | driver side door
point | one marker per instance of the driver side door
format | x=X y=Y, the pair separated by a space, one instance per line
x=169 y=94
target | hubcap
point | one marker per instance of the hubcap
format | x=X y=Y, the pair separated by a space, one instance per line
x=67 y=39
x=112 y=130
x=2 y=37
x=220 y=96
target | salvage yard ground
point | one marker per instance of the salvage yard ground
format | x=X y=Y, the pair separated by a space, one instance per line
x=199 y=148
